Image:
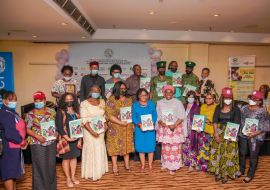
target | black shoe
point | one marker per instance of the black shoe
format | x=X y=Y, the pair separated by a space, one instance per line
x=224 y=181
x=212 y=173
x=241 y=173
x=217 y=179
x=245 y=181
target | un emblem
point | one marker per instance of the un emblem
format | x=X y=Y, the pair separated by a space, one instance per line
x=2 y=64
x=108 y=53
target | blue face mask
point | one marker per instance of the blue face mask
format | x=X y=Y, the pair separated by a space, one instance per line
x=95 y=95
x=12 y=105
x=39 y=105
x=116 y=75
x=94 y=72
x=204 y=78
x=190 y=100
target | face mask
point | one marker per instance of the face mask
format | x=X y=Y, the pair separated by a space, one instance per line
x=94 y=72
x=204 y=78
x=161 y=73
x=69 y=104
x=188 y=72
x=67 y=78
x=12 y=105
x=123 y=93
x=252 y=103
x=39 y=105
x=173 y=70
x=228 y=102
x=116 y=75
x=95 y=95
x=190 y=100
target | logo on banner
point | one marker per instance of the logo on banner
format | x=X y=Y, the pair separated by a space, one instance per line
x=235 y=60
x=108 y=53
x=2 y=64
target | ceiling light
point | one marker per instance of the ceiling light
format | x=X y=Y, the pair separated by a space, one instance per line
x=189 y=30
x=144 y=28
x=34 y=36
x=64 y=24
x=151 y=13
x=83 y=36
x=232 y=31
x=216 y=15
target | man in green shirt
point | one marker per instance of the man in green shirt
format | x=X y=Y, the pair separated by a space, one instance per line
x=189 y=78
x=157 y=82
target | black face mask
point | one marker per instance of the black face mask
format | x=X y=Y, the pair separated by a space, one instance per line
x=161 y=73
x=188 y=72
x=123 y=93
x=69 y=104
x=173 y=70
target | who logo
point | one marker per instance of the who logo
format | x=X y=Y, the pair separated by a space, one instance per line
x=2 y=64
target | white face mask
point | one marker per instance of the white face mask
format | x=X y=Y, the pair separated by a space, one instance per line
x=252 y=103
x=67 y=78
x=228 y=102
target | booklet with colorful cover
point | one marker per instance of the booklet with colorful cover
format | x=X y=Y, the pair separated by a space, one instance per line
x=48 y=129
x=97 y=124
x=189 y=88
x=145 y=83
x=231 y=131
x=198 y=122
x=160 y=86
x=176 y=79
x=126 y=114
x=75 y=128
x=167 y=116
x=147 y=123
x=108 y=88
x=251 y=126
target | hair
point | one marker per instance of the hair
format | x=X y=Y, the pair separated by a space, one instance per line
x=6 y=94
x=75 y=105
x=169 y=67
x=261 y=101
x=189 y=93
x=139 y=92
x=90 y=91
x=266 y=90
x=136 y=65
x=160 y=67
x=115 y=67
x=222 y=104
x=67 y=67
x=234 y=67
x=206 y=69
x=116 y=89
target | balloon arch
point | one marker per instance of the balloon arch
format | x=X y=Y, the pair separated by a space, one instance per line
x=155 y=57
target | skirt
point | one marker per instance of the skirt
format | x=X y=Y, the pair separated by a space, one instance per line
x=43 y=166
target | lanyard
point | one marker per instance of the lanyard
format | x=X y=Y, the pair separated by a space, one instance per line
x=72 y=115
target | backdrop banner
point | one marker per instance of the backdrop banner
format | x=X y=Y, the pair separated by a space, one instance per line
x=124 y=54
x=6 y=73
x=241 y=75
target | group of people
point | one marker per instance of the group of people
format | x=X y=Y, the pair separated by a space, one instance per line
x=205 y=151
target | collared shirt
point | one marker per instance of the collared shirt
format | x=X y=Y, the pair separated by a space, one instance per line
x=154 y=81
x=133 y=85
x=88 y=81
x=192 y=80
x=110 y=81
x=177 y=93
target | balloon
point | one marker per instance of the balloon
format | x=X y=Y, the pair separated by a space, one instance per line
x=152 y=56
x=157 y=60
x=153 y=69
x=58 y=56
x=153 y=62
x=156 y=54
x=62 y=61
x=57 y=77
x=151 y=51
x=63 y=51
x=65 y=56
x=161 y=53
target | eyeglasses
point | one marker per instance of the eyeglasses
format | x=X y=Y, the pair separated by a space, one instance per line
x=209 y=98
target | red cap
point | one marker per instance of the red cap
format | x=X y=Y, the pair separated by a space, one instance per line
x=227 y=92
x=39 y=95
x=256 y=94
x=94 y=63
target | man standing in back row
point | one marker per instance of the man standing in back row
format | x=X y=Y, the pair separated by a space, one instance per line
x=189 y=78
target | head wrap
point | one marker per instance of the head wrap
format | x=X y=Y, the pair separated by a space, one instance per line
x=94 y=63
x=170 y=87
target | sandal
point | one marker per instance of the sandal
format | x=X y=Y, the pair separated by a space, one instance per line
x=224 y=181
x=142 y=169
x=190 y=169
x=217 y=179
x=127 y=169
x=151 y=169
x=75 y=182
x=115 y=173
x=245 y=181
x=70 y=185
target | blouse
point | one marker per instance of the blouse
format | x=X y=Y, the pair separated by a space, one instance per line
x=208 y=112
x=232 y=116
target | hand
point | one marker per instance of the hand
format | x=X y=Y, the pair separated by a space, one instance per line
x=133 y=127
x=172 y=126
x=207 y=121
x=197 y=94
x=161 y=123
x=55 y=134
x=95 y=134
x=198 y=131
x=251 y=135
x=24 y=146
x=217 y=138
x=40 y=138
x=124 y=123
x=105 y=94
x=72 y=139
x=105 y=127
x=230 y=140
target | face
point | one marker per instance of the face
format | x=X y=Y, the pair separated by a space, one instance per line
x=161 y=69
x=67 y=73
x=69 y=98
x=115 y=71
x=189 y=69
x=38 y=100
x=174 y=65
x=191 y=96
x=94 y=67
x=143 y=96
x=204 y=74
x=95 y=90
x=258 y=101
x=123 y=87
x=262 y=89
x=168 y=94
x=14 y=99
x=137 y=70
x=209 y=99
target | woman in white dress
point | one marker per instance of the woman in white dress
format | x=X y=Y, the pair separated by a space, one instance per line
x=94 y=154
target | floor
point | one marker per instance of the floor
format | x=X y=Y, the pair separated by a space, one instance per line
x=157 y=180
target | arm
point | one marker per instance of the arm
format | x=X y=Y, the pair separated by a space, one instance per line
x=154 y=113
x=55 y=91
x=82 y=92
x=103 y=88
x=215 y=121
x=128 y=85
x=59 y=123
x=152 y=88
x=110 y=111
x=29 y=125
x=237 y=115
x=134 y=115
x=10 y=131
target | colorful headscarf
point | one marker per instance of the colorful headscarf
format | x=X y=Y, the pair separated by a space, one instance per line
x=213 y=94
x=170 y=87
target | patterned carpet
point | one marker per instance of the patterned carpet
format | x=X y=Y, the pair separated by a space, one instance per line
x=157 y=180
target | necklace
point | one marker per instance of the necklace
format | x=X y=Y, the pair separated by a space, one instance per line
x=143 y=105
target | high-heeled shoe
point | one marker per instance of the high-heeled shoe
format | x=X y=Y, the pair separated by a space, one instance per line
x=245 y=181
x=127 y=169
x=115 y=173
x=142 y=169
x=151 y=169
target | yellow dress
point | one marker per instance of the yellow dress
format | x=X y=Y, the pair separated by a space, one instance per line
x=119 y=139
x=94 y=155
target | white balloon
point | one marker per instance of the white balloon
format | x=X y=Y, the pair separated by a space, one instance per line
x=156 y=54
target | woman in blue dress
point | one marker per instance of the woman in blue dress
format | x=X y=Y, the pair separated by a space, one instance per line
x=145 y=141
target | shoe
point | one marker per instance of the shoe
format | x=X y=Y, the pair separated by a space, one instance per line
x=142 y=169
x=190 y=169
x=241 y=173
x=212 y=173
x=217 y=179
x=151 y=169
x=127 y=169
x=115 y=173
x=70 y=185
x=245 y=181
x=76 y=182
x=172 y=172
x=224 y=181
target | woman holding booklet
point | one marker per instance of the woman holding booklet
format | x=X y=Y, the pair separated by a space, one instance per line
x=43 y=151
x=170 y=134
x=145 y=140
x=68 y=147
x=252 y=142
x=94 y=154
x=190 y=146
x=206 y=136
x=224 y=159
x=119 y=137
